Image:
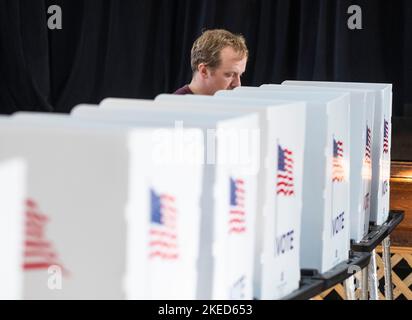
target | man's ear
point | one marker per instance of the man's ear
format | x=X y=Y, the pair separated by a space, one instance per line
x=203 y=70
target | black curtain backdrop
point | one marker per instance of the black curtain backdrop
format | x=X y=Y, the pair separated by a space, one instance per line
x=141 y=48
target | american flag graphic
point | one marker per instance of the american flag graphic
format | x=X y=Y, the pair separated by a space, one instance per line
x=368 y=145
x=163 y=242
x=285 y=183
x=338 y=172
x=237 y=215
x=385 y=137
x=38 y=251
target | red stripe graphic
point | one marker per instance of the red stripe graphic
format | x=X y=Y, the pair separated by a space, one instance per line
x=237 y=230
x=39 y=253
x=163 y=255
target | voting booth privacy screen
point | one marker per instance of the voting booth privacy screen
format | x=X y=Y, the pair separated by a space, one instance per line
x=13 y=173
x=191 y=197
x=229 y=208
x=361 y=136
x=381 y=147
x=279 y=190
x=324 y=240
x=79 y=199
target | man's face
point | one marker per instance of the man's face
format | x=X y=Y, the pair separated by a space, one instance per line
x=227 y=75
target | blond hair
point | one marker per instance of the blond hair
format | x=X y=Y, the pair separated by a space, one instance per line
x=206 y=49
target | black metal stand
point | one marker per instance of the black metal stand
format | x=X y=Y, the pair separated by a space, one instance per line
x=312 y=283
x=378 y=233
x=308 y=288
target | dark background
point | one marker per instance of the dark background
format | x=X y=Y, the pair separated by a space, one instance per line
x=140 y=48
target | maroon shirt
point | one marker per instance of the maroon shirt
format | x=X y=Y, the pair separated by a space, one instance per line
x=183 y=90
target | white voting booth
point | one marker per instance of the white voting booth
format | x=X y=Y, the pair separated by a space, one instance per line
x=12 y=195
x=229 y=192
x=325 y=214
x=96 y=196
x=279 y=205
x=381 y=147
x=361 y=136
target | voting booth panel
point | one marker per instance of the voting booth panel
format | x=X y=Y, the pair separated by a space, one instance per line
x=232 y=185
x=280 y=188
x=361 y=137
x=381 y=147
x=324 y=239
x=279 y=256
x=12 y=219
x=79 y=186
x=169 y=235
x=235 y=195
x=146 y=119
x=55 y=195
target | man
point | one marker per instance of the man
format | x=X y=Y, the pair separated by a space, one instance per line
x=218 y=60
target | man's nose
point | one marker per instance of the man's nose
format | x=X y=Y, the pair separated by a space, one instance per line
x=236 y=82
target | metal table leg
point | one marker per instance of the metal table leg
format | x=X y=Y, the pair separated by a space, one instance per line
x=349 y=285
x=364 y=284
x=373 y=277
x=387 y=268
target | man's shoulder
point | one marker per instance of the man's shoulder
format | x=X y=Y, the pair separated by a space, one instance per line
x=183 y=90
